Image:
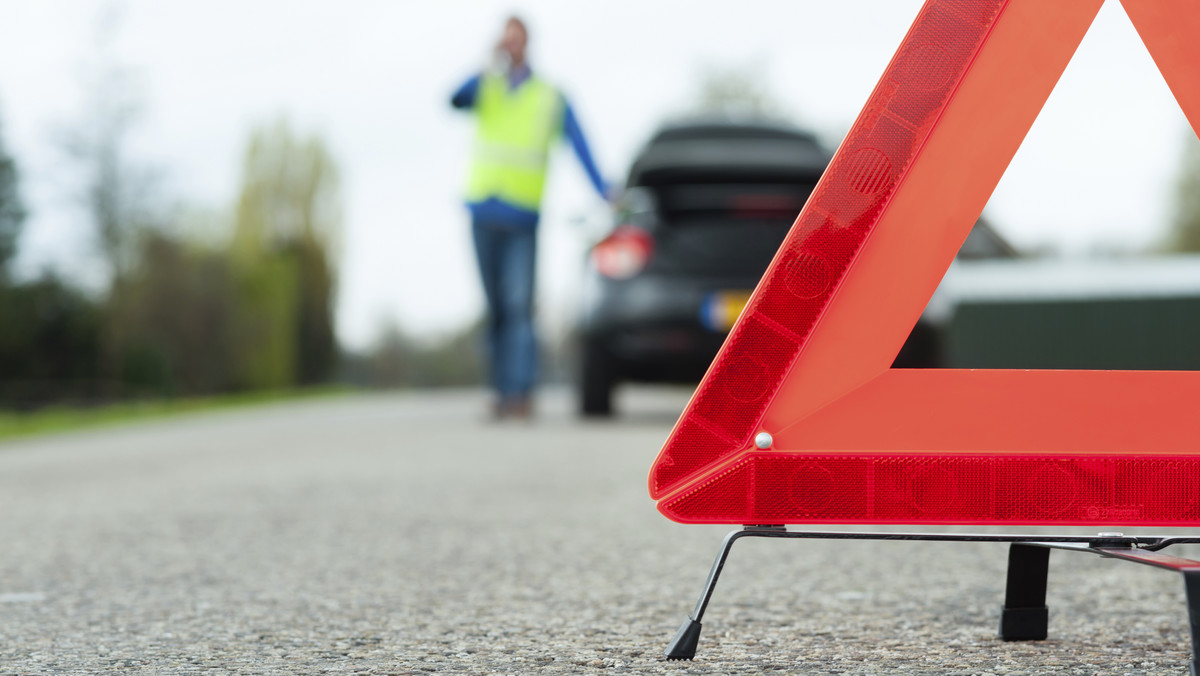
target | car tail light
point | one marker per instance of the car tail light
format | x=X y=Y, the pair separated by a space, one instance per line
x=624 y=253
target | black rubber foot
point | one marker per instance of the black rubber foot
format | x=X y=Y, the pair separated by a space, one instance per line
x=1024 y=624
x=1195 y=667
x=683 y=646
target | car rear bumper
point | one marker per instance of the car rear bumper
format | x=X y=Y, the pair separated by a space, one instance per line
x=651 y=327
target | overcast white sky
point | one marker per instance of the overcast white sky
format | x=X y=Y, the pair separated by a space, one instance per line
x=374 y=77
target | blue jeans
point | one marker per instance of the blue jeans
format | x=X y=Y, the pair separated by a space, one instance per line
x=506 y=256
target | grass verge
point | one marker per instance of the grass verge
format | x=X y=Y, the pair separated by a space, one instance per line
x=69 y=418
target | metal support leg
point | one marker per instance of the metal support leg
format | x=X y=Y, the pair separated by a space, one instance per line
x=1191 y=588
x=1024 y=616
x=683 y=646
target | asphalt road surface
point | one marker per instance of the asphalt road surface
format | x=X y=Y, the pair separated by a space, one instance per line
x=403 y=534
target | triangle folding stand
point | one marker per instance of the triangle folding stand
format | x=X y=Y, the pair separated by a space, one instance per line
x=800 y=418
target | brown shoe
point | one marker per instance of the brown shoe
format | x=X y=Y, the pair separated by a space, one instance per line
x=519 y=408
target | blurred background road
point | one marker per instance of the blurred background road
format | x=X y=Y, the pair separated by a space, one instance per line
x=402 y=533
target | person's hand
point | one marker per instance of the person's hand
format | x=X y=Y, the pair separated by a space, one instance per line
x=612 y=195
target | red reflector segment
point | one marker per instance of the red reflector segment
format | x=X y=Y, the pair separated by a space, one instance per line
x=763 y=487
x=624 y=253
x=808 y=360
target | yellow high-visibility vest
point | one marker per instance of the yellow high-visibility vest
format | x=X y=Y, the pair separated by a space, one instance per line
x=512 y=145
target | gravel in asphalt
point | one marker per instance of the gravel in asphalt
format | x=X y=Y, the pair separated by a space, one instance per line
x=404 y=534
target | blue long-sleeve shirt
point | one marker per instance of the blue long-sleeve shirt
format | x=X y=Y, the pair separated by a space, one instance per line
x=497 y=211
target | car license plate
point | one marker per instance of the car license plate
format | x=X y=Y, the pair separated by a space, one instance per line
x=720 y=309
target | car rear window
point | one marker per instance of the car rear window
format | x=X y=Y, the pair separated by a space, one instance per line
x=683 y=204
x=728 y=160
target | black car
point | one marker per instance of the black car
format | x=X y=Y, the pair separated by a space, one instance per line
x=705 y=208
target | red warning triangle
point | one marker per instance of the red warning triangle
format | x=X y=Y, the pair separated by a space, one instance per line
x=800 y=418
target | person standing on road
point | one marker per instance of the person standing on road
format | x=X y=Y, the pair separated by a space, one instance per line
x=519 y=116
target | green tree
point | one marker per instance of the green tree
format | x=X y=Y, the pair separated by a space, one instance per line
x=118 y=194
x=12 y=211
x=49 y=331
x=1184 y=235
x=49 y=345
x=174 y=319
x=287 y=226
x=316 y=345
